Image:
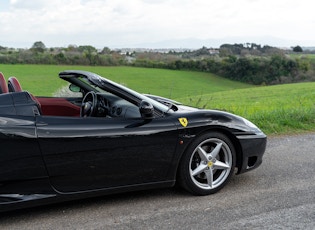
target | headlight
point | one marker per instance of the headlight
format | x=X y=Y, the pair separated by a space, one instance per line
x=251 y=125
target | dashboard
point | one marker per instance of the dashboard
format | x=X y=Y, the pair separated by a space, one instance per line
x=113 y=106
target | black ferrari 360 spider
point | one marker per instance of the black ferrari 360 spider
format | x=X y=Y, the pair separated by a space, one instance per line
x=112 y=139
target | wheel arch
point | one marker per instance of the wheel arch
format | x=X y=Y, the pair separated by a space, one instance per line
x=226 y=132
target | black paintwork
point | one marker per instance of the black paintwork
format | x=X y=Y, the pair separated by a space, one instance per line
x=46 y=159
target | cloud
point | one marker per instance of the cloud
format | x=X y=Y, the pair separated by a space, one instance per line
x=123 y=23
x=32 y=5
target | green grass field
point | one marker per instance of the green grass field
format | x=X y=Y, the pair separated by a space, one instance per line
x=276 y=109
x=302 y=55
x=43 y=80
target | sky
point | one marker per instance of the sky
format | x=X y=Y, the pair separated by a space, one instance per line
x=156 y=23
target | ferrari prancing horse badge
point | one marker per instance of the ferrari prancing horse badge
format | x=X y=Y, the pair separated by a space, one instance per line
x=183 y=121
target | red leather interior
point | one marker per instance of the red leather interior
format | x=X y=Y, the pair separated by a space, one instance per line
x=14 y=85
x=3 y=84
x=51 y=106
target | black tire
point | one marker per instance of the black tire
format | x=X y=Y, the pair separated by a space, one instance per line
x=207 y=164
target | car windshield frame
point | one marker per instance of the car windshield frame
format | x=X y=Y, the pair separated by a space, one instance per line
x=103 y=85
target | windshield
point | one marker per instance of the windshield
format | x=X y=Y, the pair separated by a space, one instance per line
x=103 y=85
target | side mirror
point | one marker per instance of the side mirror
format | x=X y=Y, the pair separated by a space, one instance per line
x=74 y=88
x=146 y=110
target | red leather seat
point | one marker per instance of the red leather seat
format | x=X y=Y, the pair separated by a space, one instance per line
x=3 y=84
x=14 y=85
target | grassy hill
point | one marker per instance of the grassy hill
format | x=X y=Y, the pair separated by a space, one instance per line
x=43 y=80
x=276 y=109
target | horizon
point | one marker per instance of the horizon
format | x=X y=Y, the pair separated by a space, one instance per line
x=167 y=47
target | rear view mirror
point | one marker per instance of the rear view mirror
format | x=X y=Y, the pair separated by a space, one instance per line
x=146 y=110
x=74 y=88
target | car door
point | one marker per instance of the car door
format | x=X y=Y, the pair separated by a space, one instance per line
x=22 y=170
x=94 y=153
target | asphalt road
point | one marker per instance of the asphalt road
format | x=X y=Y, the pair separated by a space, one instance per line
x=280 y=194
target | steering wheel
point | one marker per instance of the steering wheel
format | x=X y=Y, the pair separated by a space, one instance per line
x=89 y=105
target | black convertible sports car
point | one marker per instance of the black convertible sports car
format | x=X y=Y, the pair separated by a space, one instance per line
x=112 y=139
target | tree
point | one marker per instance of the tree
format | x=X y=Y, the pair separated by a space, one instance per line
x=38 y=47
x=297 y=49
x=105 y=50
x=89 y=52
x=87 y=49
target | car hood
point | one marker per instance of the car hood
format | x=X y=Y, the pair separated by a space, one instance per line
x=201 y=117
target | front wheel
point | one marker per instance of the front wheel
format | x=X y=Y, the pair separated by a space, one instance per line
x=207 y=164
